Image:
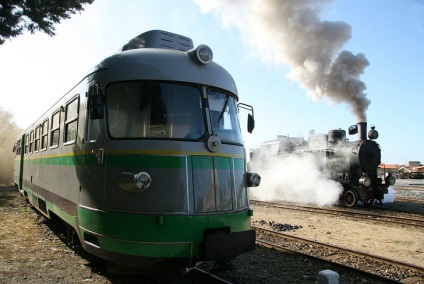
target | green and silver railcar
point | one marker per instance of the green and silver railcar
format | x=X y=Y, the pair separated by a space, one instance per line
x=144 y=158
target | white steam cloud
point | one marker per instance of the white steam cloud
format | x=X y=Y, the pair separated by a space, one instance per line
x=390 y=196
x=296 y=179
x=291 y=33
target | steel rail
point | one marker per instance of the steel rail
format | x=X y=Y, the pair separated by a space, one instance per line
x=204 y=276
x=409 y=199
x=410 y=186
x=400 y=211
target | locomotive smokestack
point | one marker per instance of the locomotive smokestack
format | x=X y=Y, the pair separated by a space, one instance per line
x=362 y=131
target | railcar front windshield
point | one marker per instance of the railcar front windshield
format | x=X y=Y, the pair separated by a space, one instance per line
x=224 y=119
x=150 y=109
x=164 y=110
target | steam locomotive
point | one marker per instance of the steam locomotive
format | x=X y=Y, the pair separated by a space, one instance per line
x=353 y=164
x=143 y=159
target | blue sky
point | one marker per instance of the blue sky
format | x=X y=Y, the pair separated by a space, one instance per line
x=36 y=70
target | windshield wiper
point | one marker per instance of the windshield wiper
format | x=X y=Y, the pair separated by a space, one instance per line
x=223 y=109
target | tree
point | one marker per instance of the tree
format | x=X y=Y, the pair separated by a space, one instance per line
x=8 y=133
x=16 y=16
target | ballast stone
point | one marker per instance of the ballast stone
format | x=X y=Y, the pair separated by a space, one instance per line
x=328 y=277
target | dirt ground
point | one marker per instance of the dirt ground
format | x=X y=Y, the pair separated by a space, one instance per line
x=35 y=251
x=397 y=242
x=29 y=250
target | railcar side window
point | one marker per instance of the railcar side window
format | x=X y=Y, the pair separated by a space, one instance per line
x=37 y=139
x=31 y=141
x=71 y=121
x=44 y=134
x=18 y=147
x=93 y=125
x=54 y=132
x=144 y=109
x=26 y=143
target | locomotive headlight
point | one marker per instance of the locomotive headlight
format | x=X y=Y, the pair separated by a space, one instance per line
x=253 y=179
x=202 y=54
x=365 y=181
x=390 y=180
x=142 y=180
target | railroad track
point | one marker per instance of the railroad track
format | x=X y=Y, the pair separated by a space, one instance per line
x=409 y=199
x=198 y=275
x=410 y=187
x=191 y=276
x=382 y=268
x=415 y=220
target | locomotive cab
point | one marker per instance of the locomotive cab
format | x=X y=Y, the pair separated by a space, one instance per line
x=336 y=136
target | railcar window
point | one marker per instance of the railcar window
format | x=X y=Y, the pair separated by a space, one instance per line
x=93 y=129
x=144 y=109
x=44 y=134
x=31 y=141
x=71 y=121
x=26 y=144
x=37 y=139
x=224 y=119
x=18 y=147
x=93 y=125
x=54 y=132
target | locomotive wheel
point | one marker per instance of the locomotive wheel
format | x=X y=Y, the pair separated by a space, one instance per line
x=350 y=198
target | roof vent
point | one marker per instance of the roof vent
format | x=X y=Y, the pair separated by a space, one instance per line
x=160 y=39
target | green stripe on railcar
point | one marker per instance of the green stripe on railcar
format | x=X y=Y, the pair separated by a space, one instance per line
x=116 y=160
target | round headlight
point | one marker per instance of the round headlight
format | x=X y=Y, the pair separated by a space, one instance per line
x=390 y=180
x=254 y=180
x=204 y=54
x=142 y=180
x=365 y=181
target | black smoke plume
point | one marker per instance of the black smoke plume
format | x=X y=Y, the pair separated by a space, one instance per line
x=292 y=33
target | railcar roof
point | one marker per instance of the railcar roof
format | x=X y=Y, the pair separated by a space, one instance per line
x=164 y=64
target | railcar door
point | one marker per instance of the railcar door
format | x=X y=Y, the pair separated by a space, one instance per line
x=91 y=174
x=21 y=163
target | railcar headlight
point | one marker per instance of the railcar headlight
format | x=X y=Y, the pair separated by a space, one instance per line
x=253 y=179
x=133 y=182
x=203 y=54
x=365 y=181
x=142 y=180
x=391 y=180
